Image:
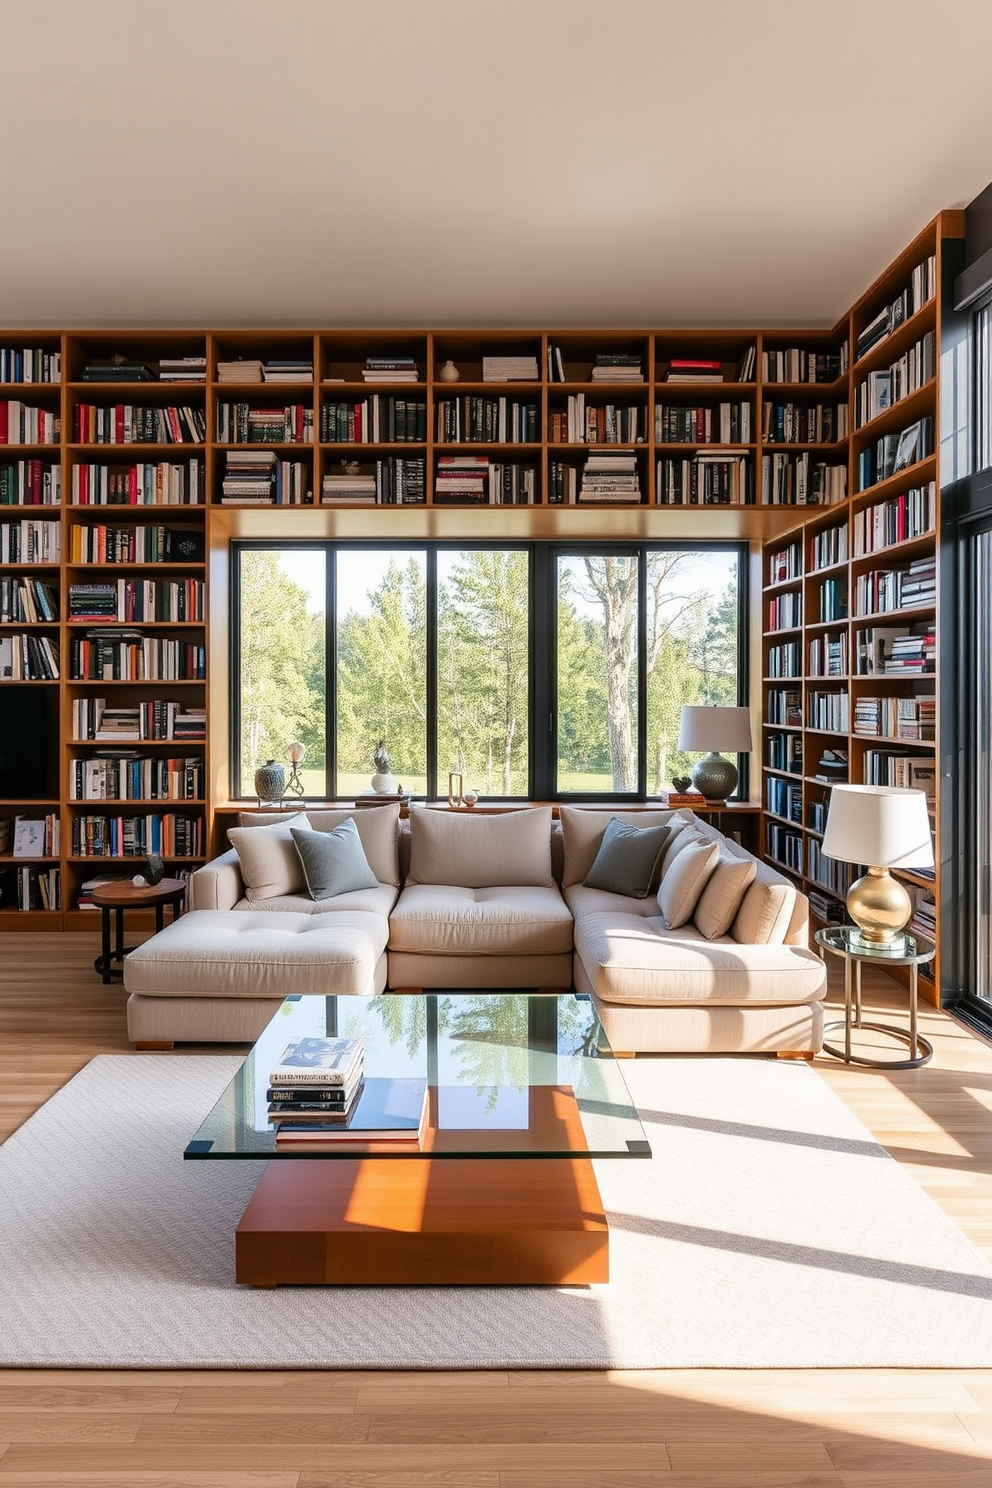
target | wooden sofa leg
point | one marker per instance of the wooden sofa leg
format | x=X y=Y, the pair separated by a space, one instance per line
x=149 y=1044
x=624 y=1054
x=806 y=1054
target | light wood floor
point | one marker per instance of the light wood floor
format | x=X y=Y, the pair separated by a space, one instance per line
x=695 y=1429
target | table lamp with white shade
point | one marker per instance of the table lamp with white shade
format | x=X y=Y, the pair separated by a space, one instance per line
x=883 y=827
x=715 y=729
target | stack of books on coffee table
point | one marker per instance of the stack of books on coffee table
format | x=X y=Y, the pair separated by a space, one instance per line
x=319 y=1095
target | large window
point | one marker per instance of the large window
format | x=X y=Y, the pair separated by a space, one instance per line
x=533 y=670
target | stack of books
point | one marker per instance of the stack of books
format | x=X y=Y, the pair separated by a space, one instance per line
x=290 y=369
x=389 y=369
x=117 y=370
x=685 y=369
x=610 y=477
x=318 y=1093
x=242 y=370
x=462 y=479
x=617 y=366
x=509 y=368
x=182 y=369
x=354 y=485
x=249 y=476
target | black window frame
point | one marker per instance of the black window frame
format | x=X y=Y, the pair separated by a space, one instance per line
x=542 y=646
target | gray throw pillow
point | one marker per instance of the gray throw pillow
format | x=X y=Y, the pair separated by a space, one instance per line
x=333 y=862
x=628 y=859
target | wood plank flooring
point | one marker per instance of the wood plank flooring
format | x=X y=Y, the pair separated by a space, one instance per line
x=505 y=1429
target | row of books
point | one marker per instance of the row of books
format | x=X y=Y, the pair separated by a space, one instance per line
x=28 y=658
x=899 y=519
x=23 y=599
x=828 y=548
x=176 y=600
x=30 y=483
x=895 y=452
x=798 y=364
x=833 y=600
x=30 y=541
x=376 y=420
x=785 y=611
x=123 y=775
x=884 y=589
x=475 y=419
x=22 y=423
x=601 y=423
x=784 y=660
x=723 y=423
x=785 y=706
x=479 y=480
x=156 y=369
x=509 y=368
x=710 y=369
x=830 y=873
x=610 y=476
x=157 y=483
x=394 y=481
x=607 y=366
x=159 y=718
x=133 y=423
x=921 y=288
x=828 y=655
x=827 y=711
x=25 y=888
x=318 y=1093
x=784 y=846
x=705 y=479
x=786 y=563
x=784 y=798
x=801 y=480
x=785 y=752
x=896 y=717
x=388 y=369
x=30 y=364
x=166 y=833
x=246 y=423
x=803 y=423
x=136 y=543
x=906 y=771
x=894 y=651
x=121 y=657
x=261 y=478
x=889 y=385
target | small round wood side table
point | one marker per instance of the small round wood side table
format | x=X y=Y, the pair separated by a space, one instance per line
x=126 y=895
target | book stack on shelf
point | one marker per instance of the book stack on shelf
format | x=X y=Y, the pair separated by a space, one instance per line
x=242 y=369
x=610 y=477
x=390 y=369
x=462 y=480
x=802 y=480
x=249 y=477
x=803 y=423
x=509 y=369
x=118 y=369
x=348 y=485
x=182 y=369
x=689 y=369
x=287 y=369
x=617 y=366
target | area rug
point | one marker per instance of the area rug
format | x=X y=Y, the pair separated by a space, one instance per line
x=767 y=1230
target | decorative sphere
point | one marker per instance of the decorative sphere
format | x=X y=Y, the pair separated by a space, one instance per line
x=470 y=797
x=296 y=752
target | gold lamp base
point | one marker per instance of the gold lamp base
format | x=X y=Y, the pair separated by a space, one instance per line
x=880 y=906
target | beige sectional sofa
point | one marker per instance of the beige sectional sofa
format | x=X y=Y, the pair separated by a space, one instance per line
x=491 y=901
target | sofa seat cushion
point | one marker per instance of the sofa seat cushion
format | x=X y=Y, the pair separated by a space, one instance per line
x=377 y=901
x=637 y=959
x=217 y=953
x=501 y=921
x=582 y=900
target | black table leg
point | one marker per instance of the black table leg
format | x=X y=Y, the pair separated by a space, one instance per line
x=102 y=962
x=159 y=917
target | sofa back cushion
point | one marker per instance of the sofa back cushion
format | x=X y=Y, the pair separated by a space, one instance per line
x=270 y=864
x=333 y=862
x=481 y=852
x=378 y=828
x=720 y=900
x=582 y=833
x=684 y=880
x=766 y=911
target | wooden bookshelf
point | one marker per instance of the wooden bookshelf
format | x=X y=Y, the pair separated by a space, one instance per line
x=180 y=474
x=824 y=577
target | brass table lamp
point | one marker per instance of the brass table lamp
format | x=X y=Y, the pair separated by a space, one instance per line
x=884 y=827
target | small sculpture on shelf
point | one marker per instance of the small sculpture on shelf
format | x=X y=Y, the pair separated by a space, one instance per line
x=448 y=372
x=270 y=782
x=295 y=753
x=382 y=781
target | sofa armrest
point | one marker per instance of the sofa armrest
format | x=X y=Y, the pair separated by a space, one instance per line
x=218 y=884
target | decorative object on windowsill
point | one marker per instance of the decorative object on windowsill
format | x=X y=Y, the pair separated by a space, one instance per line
x=448 y=373
x=884 y=827
x=469 y=798
x=454 y=788
x=382 y=781
x=270 y=782
x=682 y=782
x=714 y=729
x=295 y=753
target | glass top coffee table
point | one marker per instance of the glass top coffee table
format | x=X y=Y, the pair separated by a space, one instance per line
x=522 y=1093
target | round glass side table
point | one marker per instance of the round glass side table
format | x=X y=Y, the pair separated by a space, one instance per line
x=904 y=950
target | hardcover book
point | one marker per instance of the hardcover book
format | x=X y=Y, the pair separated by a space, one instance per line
x=317 y=1061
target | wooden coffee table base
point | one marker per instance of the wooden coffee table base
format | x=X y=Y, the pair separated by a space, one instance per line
x=417 y=1222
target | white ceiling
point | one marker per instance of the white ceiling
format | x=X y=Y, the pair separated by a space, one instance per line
x=444 y=162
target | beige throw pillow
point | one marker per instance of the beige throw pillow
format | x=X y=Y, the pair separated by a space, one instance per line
x=685 y=880
x=270 y=864
x=765 y=911
x=481 y=852
x=684 y=835
x=722 y=894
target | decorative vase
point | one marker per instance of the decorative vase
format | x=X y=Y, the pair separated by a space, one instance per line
x=383 y=783
x=270 y=782
x=448 y=373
